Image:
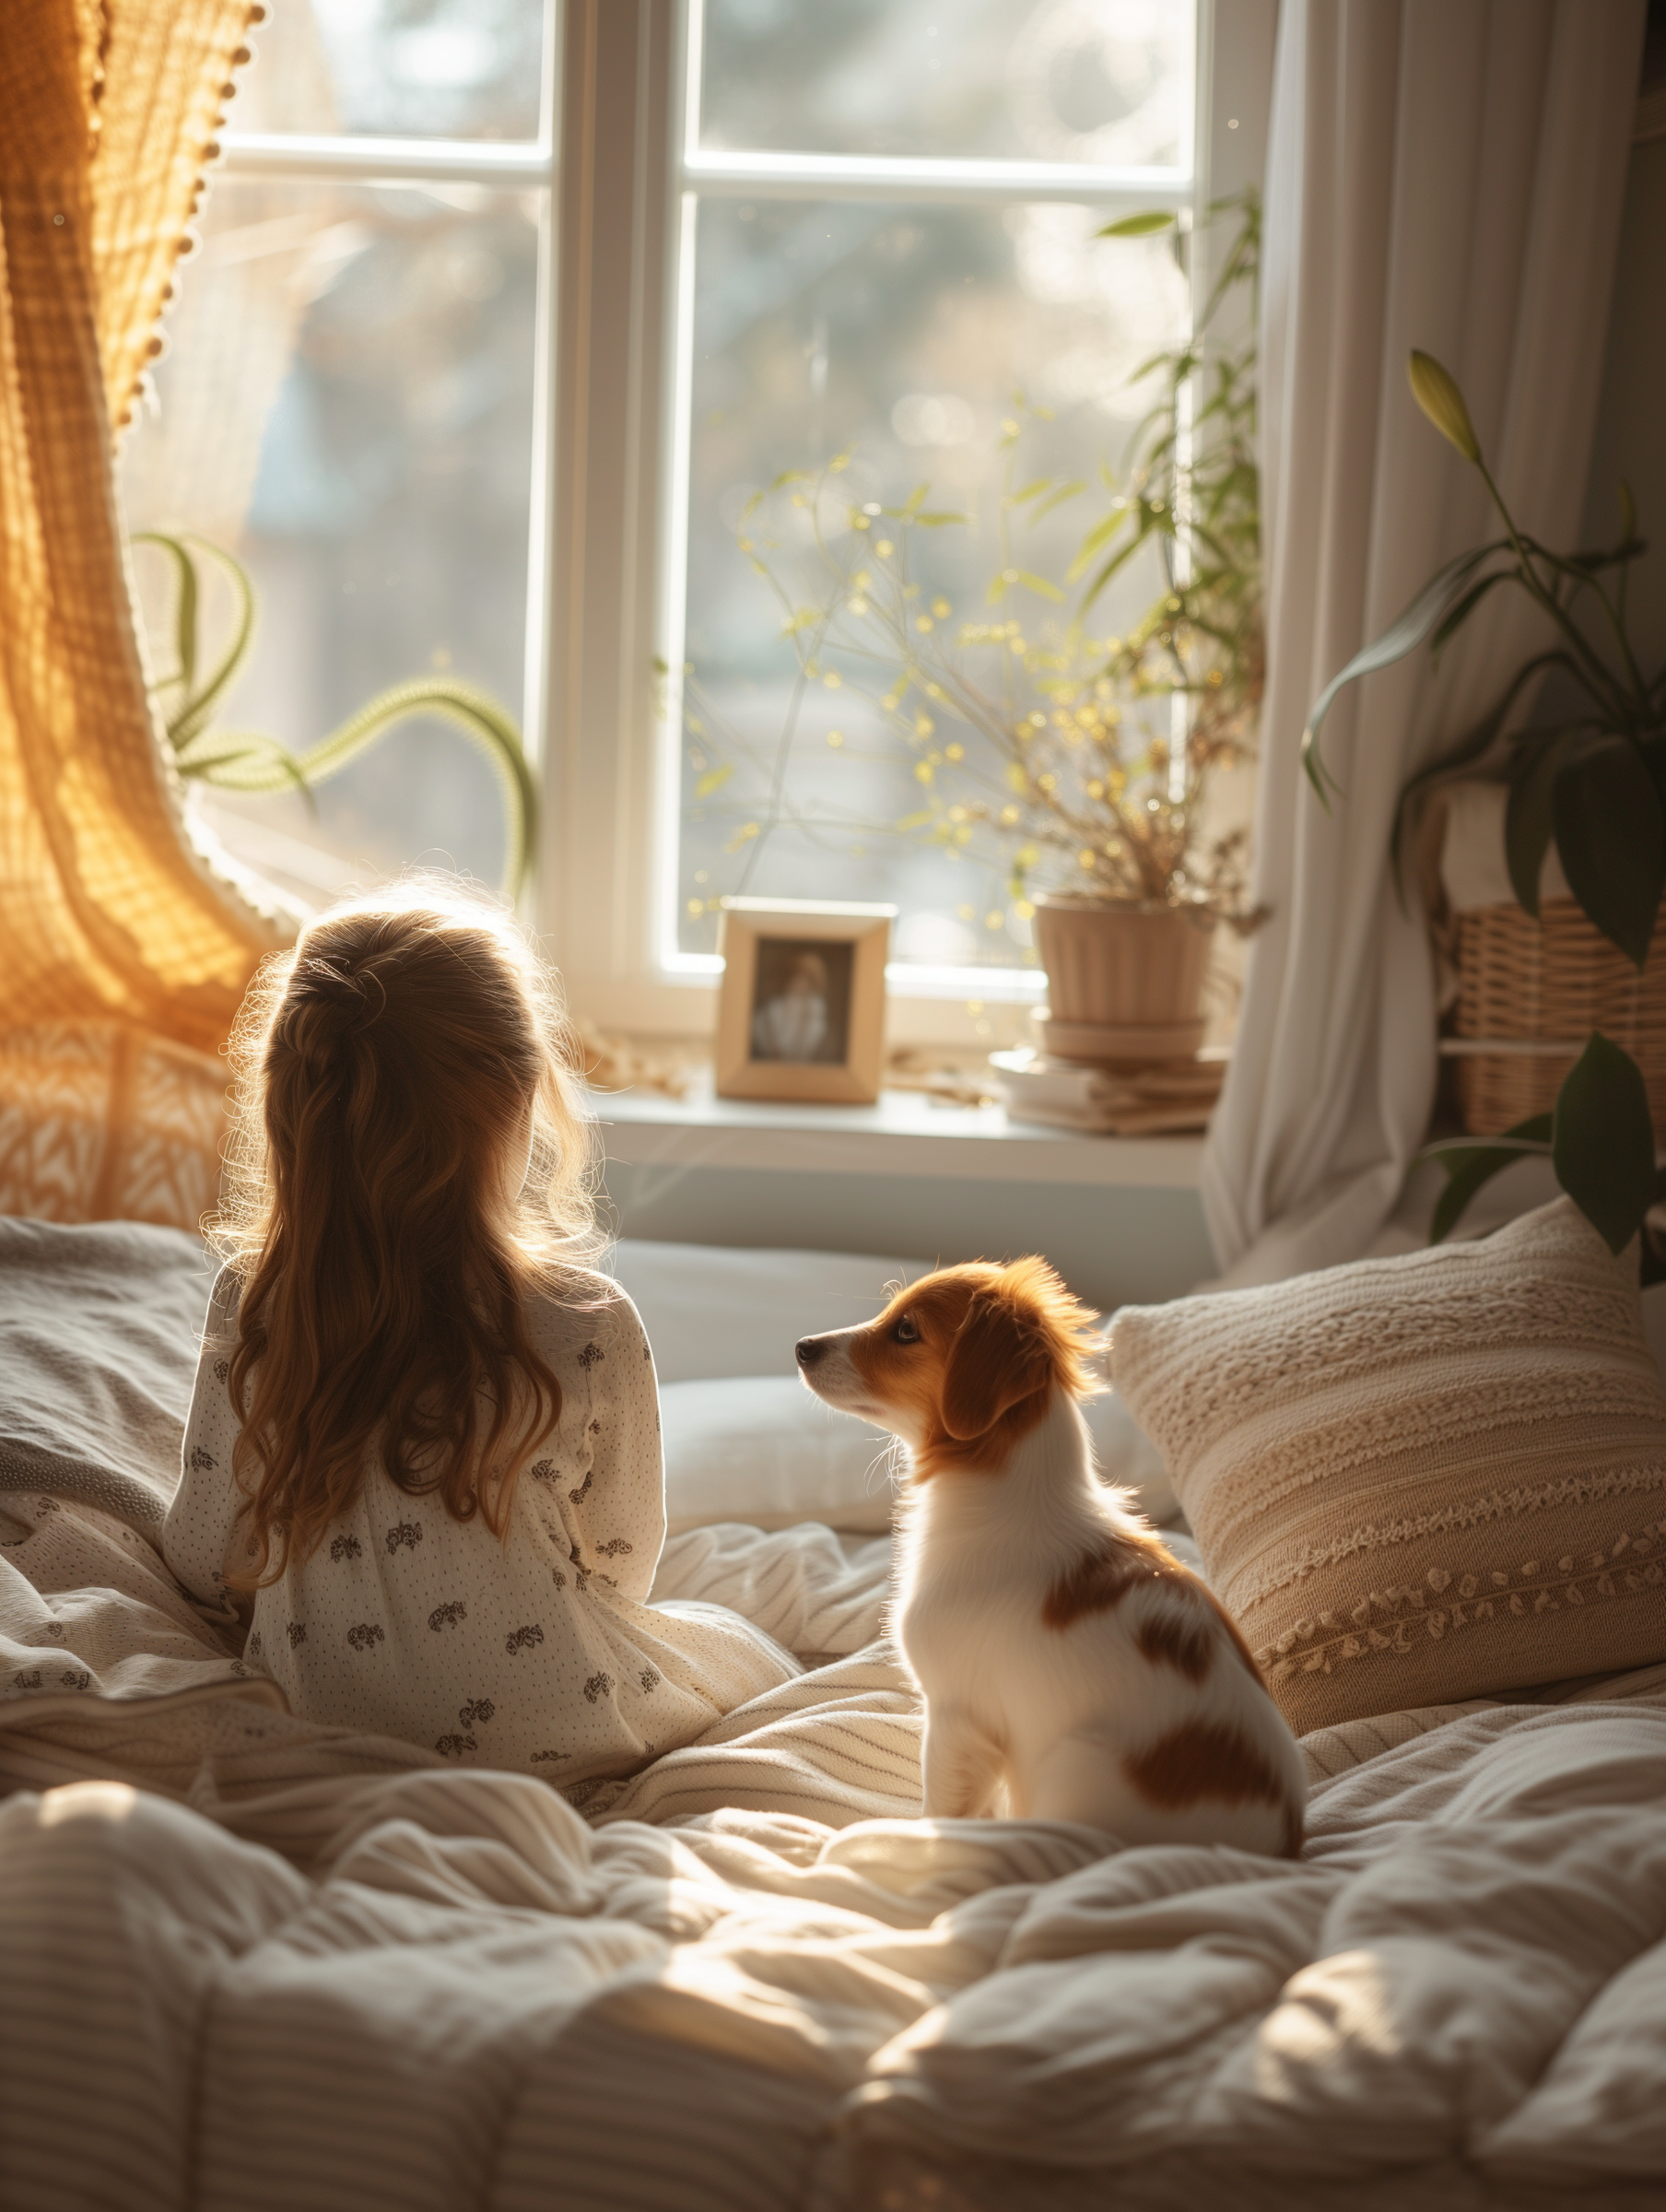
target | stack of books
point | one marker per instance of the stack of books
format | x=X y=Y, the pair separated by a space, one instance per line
x=1170 y=1098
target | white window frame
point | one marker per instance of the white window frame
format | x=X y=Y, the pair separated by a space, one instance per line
x=617 y=152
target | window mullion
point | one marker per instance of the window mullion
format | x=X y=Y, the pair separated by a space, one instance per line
x=305 y=157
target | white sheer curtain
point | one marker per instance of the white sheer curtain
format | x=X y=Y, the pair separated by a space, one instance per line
x=1445 y=174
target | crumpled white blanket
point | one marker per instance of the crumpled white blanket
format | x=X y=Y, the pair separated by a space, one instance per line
x=251 y=1963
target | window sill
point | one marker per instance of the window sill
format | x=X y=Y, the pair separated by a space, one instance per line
x=907 y=1134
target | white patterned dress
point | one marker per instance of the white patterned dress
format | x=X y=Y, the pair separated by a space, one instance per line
x=540 y=1653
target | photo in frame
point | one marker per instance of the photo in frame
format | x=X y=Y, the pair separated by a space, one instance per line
x=802 y=1011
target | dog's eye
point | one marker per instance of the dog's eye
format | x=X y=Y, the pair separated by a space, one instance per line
x=906 y=1330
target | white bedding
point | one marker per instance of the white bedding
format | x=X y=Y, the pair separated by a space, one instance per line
x=251 y=1963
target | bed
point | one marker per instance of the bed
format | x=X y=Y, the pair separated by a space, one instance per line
x=256 y=1964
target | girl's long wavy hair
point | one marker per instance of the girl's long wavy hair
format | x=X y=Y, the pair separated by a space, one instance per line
x=390 y=1073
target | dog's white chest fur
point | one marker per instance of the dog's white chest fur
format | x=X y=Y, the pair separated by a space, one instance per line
x=1046 y=1700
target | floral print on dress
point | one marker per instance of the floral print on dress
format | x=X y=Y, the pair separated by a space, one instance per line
x=346 y=1548
x=447 y=1615
x=524 y=1639
x=405 y=1536
x=365 y=1635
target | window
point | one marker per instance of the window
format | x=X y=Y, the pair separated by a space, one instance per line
x=888 y=264
x=349 y=404
x=503 y=311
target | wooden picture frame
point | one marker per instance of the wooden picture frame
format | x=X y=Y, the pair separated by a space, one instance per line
x=802 y=1011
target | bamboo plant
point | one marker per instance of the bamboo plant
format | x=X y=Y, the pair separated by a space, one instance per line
x=1592 y=780
x=190 y=694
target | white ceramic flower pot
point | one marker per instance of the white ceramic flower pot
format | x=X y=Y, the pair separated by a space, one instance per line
x=1125 y=983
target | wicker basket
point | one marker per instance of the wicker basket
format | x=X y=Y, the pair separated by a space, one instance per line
x=1526 y=984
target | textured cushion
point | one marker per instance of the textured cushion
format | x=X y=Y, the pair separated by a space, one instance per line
x=1424 y=1478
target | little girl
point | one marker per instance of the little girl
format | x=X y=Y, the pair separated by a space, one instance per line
x=424 y=1437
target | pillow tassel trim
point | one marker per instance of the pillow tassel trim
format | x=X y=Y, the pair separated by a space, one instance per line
x=1318 y=1645
x=1249 y=1589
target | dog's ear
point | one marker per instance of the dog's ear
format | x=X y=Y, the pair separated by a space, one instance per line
x=993 y=1362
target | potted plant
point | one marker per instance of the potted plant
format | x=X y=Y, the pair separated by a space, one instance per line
x=1074 y=766
x=1592 y=779
x=188 y=697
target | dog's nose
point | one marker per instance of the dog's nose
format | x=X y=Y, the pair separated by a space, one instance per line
x=809 y=1350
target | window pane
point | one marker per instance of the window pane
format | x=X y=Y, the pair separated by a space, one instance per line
x=1052 y=80
x=902 y=335
x=395 y=68
x=346 y=405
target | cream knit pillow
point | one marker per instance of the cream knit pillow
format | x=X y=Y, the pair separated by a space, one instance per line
x=1417 y=1479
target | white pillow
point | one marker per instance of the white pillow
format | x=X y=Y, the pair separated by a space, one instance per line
x=1126 y=1455
x=761 y=1449
x=712 y=1310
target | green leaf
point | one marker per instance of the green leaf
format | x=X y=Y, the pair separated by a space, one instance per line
x=1057 y=499
x=713 y=779
x=1653 y=750
x=1612 y=839
x=1450 y=624
x=1144 y=225
x=1402 y=636
x=1529 y=821
x=1467 y=756
x=934 y=519
x=1039 y=584
x=1436 y=391
x=480 y=719
x=197 y=710
x=1469 y=1167
x=1602 y=1143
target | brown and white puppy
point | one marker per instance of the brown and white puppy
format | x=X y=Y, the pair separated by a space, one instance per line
x=1073 y=1669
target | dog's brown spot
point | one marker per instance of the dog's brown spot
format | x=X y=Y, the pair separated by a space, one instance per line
x=1102 y=1578
x=1169 y=1639
x=1209 y=1760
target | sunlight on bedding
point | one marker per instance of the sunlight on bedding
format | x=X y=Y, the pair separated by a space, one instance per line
x=1341 y=2003
x=111 y=1801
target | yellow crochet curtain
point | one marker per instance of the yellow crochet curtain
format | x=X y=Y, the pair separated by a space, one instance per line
x=123 y=954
